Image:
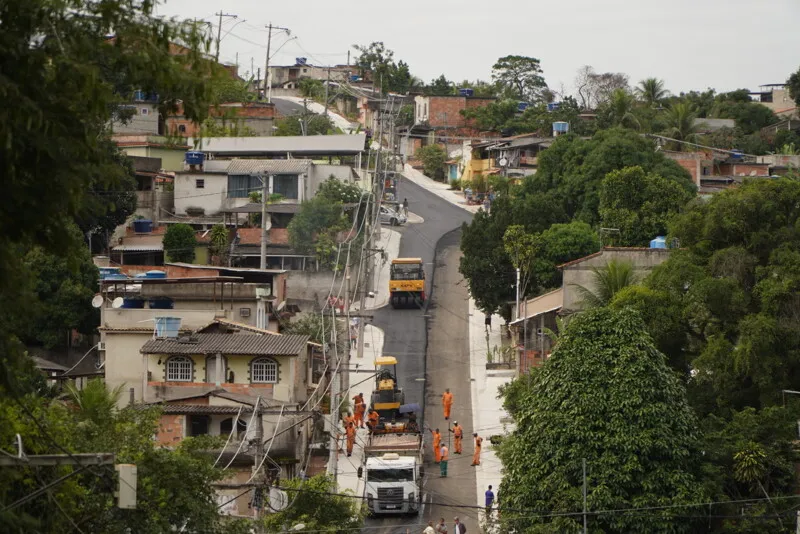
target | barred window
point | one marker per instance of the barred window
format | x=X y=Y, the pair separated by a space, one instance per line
x=263 y=371
x=179 y=369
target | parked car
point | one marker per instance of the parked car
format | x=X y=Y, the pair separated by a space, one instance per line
x=390 y=216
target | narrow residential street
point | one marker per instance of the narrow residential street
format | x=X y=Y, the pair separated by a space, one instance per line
x=417 y=336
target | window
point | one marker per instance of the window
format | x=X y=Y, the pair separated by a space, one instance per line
x=286 y=185
x=179 y=369
x=198 y=425
x=211 y=369
x=145 y=111
x=241 y=185
x=182 y=128
x=264 y=371
x=226 y=426
x=200 y=183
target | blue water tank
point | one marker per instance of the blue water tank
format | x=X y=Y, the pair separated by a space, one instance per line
x=553 y=106
x=115 y=276
x=168 y=326
x=301 y=60
x=155 y=273
x=466 y=91
x=522 y=106
x=134 y=303
x=355 y=77
x=161 y=303
x=142 y=226
x=659 y=242
x=736 y=154
x=195 y=158
x=108 y=272
x=560 y=127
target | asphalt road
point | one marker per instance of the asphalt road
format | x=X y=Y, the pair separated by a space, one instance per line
x=287 y=107
x=406 y=330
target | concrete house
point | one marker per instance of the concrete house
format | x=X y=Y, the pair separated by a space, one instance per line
x=537 y=315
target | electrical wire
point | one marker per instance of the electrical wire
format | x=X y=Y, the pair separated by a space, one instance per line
x=230 y=435
x=249 y=425
x=271 y=441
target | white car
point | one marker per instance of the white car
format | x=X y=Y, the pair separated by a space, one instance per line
x=389 y=216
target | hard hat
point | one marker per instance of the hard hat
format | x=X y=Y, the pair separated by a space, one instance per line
x=455 y=422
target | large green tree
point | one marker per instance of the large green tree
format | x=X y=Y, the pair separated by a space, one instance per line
x=520 y=77
x=605 y=395
x=180 y=242
x=67 y=81
x=433 y=158
x=793 y=85
x=639 y=205
x=651 y=91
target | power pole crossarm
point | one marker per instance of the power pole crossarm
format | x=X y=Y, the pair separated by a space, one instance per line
x=219 y=30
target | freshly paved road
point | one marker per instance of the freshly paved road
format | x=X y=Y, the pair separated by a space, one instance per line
x=406 y=331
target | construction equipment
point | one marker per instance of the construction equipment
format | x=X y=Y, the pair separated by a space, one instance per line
x=407 y=283
x=387 y=396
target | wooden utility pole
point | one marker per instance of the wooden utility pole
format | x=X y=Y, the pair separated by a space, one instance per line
x=264 y=225
x=219 y=30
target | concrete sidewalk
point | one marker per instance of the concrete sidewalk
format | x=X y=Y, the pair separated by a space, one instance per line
x=362 y=379
x=488 y=415
x=438 y=188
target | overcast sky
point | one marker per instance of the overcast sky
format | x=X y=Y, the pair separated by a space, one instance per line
x=690 y=44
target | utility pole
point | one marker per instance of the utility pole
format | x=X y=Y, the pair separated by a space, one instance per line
x=347 y=301
x=264 y=228
x=305 y=116
x=267 y=77
x=584 y=496
x=259 y=438
x=333 y=461
x=326 y=91
x=219 y=30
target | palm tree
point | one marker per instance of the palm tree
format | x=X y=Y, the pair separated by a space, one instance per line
x=607 y=282
x=95 y=402
x=651 y=91
x=621 y=106
x=680 y=123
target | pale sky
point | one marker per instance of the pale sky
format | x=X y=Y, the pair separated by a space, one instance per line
x=690 y=44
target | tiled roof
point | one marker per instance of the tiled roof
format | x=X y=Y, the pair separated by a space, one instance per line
x=269 y=166
x=202 y=409
x=229 y=344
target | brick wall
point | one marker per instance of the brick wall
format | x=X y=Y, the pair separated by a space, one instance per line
x=744 y=169
x=170 y=429
x=445 y=111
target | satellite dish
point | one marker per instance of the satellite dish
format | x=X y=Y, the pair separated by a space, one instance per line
x=502 y=162
x=117 y=302
x=278 y=499
x=97 y=301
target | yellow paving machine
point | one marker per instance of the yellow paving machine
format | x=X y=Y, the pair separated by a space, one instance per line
x=407 y=283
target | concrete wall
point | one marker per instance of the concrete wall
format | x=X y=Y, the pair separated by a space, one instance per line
x=124 y=363
x=643 y=259
x=144 y=120
x=309 y=286
x=171 y=158
x=213 y=197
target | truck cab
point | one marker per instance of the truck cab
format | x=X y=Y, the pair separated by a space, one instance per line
x=393 y=483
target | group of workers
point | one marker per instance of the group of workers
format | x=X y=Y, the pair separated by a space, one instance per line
x=441 y=453
x=356 y=420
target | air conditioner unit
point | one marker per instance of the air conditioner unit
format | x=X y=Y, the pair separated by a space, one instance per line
x=244 y=312
x=101 y=345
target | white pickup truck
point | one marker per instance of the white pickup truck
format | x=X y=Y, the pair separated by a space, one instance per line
x=394 y=472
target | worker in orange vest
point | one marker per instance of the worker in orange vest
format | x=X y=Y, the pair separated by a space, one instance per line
x=458 y=434
x=447 y=402
x=437 y=441
x=476 y=457
x=372 y=419
x=359 y=407
x=351 y=438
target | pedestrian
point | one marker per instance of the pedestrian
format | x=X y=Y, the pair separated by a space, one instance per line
x=476 y=457
x=405 y=206
x=443 y=454
x=351 y=438
x=459 y=527
x=458 y=434
x=353 y=336
x=437 y=442
x=441 y=528
x=447 y=403
x=429 y=529
x=489 y=501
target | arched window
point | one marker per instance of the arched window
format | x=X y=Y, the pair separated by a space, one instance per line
x=179 y=369
x=263 y=371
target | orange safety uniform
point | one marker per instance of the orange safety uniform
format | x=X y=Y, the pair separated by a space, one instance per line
x=447 y=403
x=351 y=438
x=437 y=442
x=476 y=458
x=458 y=434
x=372 y=419
x=347 y=419
x=359 y=407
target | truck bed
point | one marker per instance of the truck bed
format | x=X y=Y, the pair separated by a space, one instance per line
x=399 y=443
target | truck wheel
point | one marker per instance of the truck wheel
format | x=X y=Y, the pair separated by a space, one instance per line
x=393 y=222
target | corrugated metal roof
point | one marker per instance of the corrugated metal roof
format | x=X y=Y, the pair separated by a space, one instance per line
x=230 y=344
x=269 y=166
x=310 y=144
x=202 y=409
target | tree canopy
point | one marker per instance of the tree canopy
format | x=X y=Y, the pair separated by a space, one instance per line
x=180 y=242
x=607 y=395
x=520 y=77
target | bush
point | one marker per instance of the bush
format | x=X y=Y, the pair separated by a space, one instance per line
x=455 y=185
x=179 y=243
x=433 y=158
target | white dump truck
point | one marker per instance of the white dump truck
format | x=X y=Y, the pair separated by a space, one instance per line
x=393 y=473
